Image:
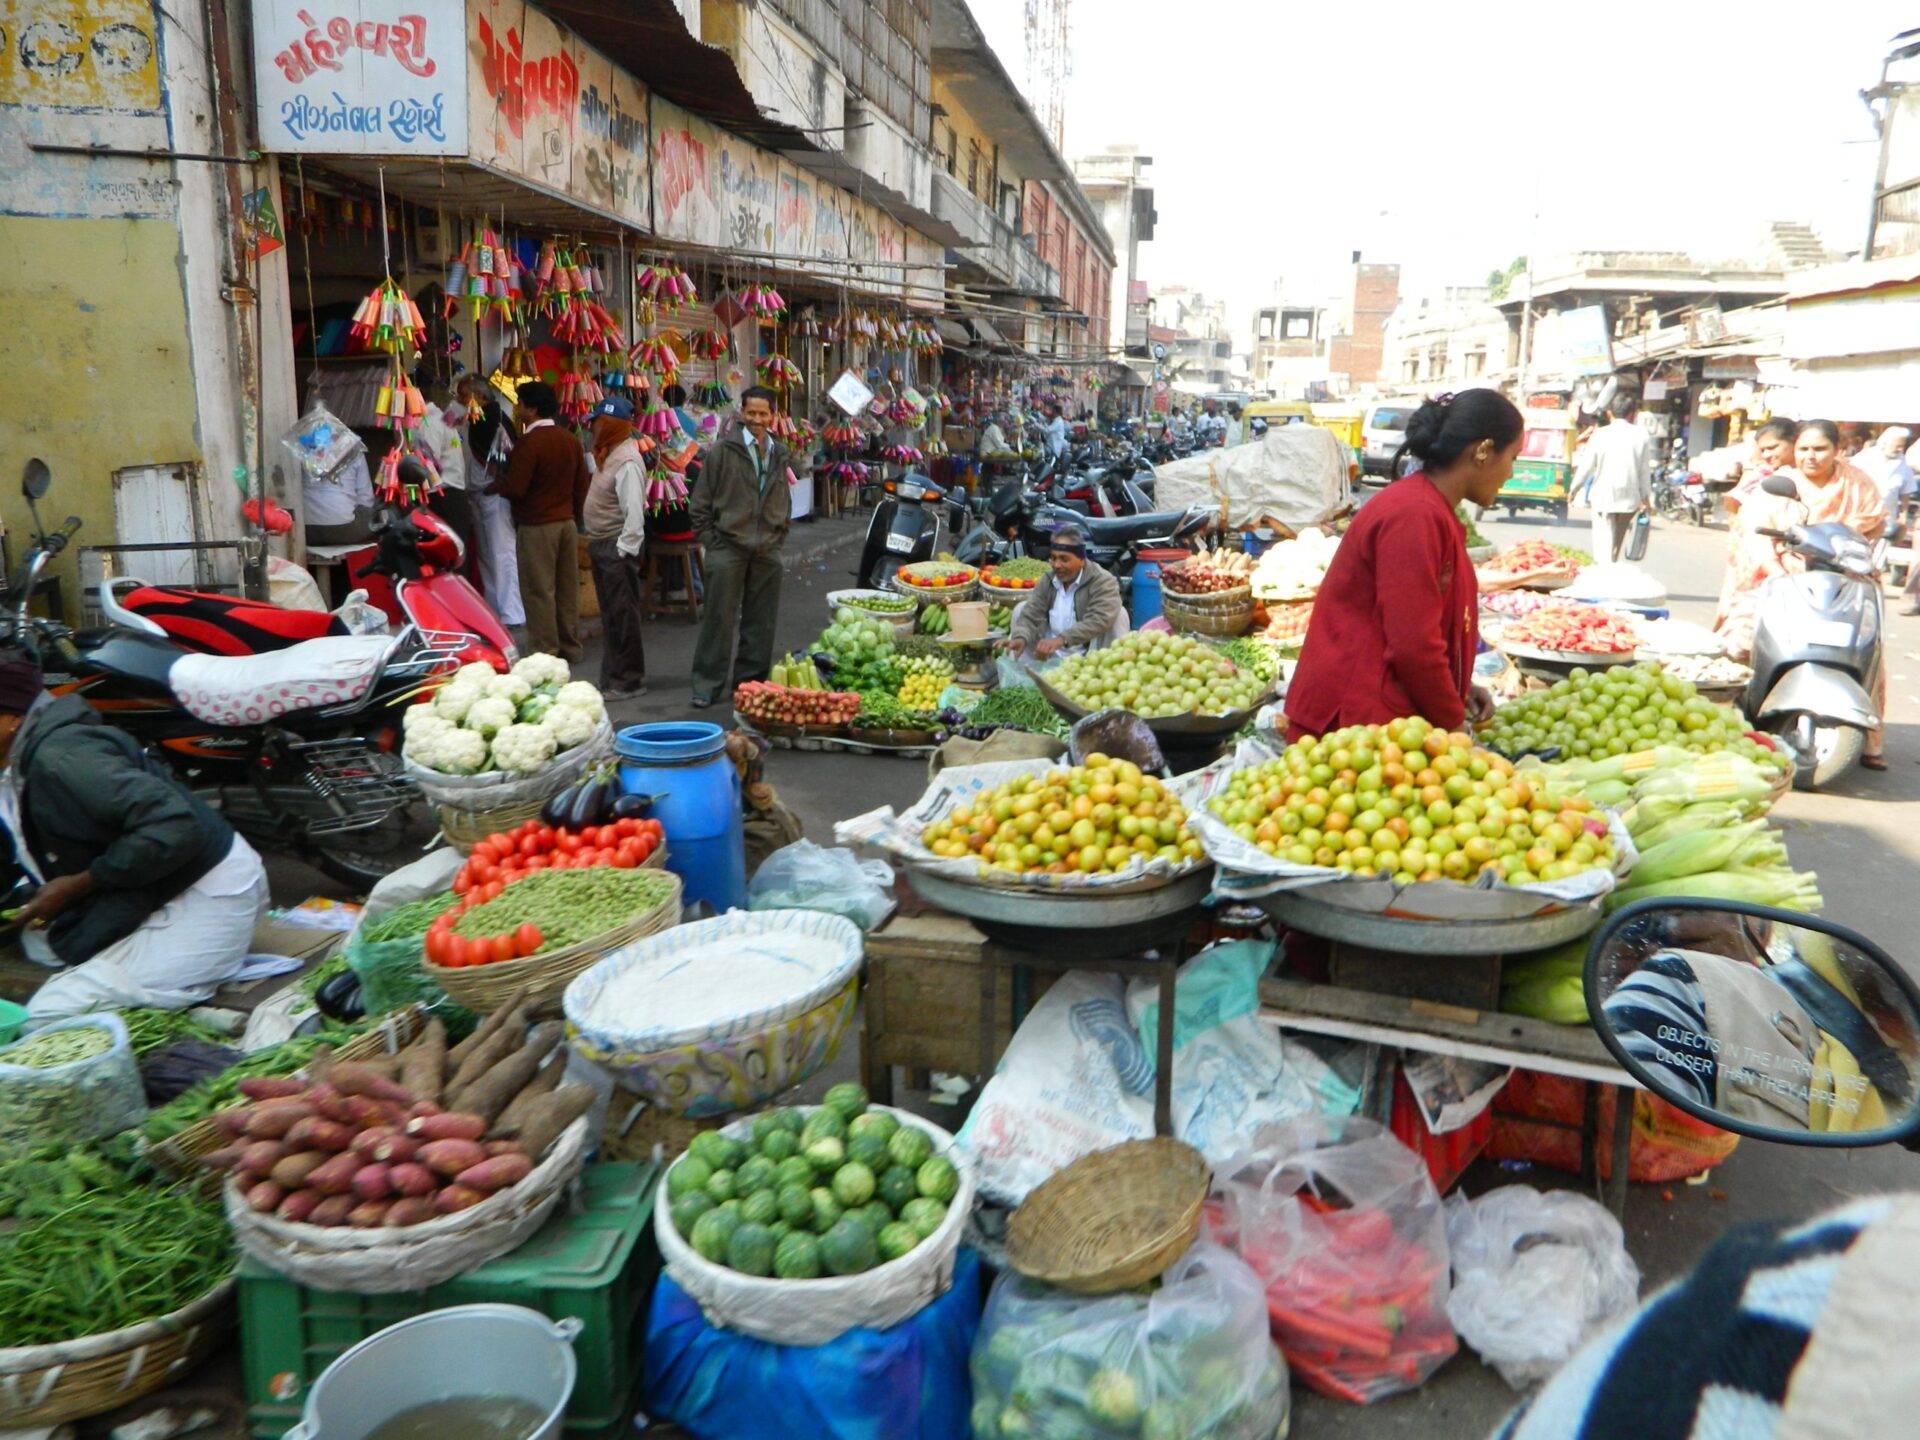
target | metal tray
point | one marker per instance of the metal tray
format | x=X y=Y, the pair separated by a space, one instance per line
x=1301 y=911
x=1189 y=726
x=1105 y=922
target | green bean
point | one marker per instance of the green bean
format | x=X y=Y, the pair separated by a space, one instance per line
x=222 y=1090
x=53 y=1048
x=407 y=921
x=568 y=906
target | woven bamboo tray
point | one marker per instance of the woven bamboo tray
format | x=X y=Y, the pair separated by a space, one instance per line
x=180 y=1154
x=483 y=988
x=1113 y=1219
x=1006 y=594
x=945 y=595
x=72 y=1379
x=1223 y=612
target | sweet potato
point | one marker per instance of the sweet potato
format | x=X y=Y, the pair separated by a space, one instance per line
x=245 y=1180
x=455 y=1198
x=316 y=1132
x=231 y=1122
x=483 y=1032
x=482 y=1058
x=502 y=1147
x=450 y=1157
x=354 y=1077
x=292 y=1172
x=545 y=1081
x=320 y=1062
x=366 y=1113
x=448 y=1125
x=548 y=1116
x=263 y=1155
x=423 y=1063
x=496 y=1173
x=270 y=1087
x=396 y=1150
x=372 y=1182
x=265 y=1197
x=271 y=1119
x=421 y=1108
x=368 y=1140
x=330 y=1102
x=336 y=1176
x=299 y=1206
x=410 y=1210
x=368 y=1215
x=411 y=1179
x=492 y=1091
x=227 y=1157
x=334 y=1209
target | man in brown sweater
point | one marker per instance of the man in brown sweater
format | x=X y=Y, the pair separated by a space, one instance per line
x=546 y=486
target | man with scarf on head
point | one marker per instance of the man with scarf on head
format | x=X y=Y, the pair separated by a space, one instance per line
x=1077 y=607
x=143 y=891
x=615 y=526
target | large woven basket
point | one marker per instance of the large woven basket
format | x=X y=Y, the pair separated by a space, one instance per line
x=499 y=790
x=483 y=988
x=1113 y=1219
x=926 y=595
x=72 y=1379
x=464 y=829
x=179 y=1154
x=413 y=1257
x=1223 y=612
x=1006 y=594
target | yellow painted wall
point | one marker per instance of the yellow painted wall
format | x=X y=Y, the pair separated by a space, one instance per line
x=965 y=131
x=93 y=353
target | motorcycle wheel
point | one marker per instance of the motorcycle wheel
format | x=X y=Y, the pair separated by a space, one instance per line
x=1835 y=749
x=361 y=859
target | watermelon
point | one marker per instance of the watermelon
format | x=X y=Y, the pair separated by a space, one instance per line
x=896 y=1240
x=826 y=1209
x=897 y=1186
x=874 y=1215
x=720 y=1185
x=794 y=1170
x=938 y=1180
x=822 y=1123
x=797 y=1258
x=877 y=1123
x=869 y=1150
x=750 y=1249
x=764 y=1124
x=826 y=1154
x=791 y=1119
x=781 y=1229
x=910 y=1147
x=846 y=1099
x=924 y=1214
x=755 y=1174
x=848 y=1248
x=732 y=1207
x=709 y=1146
x=688 y=1209
x=780 y=1145
x=711 y=1234
x=690 y=1174
x=762 y=1207
x=853 y=1184
x=796 y=1205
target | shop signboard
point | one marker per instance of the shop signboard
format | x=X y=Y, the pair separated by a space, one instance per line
x=686 y=162
x=793 y=219
x=352 y=77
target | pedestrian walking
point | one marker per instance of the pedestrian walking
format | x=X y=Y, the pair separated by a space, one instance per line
x=741 y=512
x=1616 y=470
x=489 y=444
x=614 y=521
x=546 y=485
x=442 y=433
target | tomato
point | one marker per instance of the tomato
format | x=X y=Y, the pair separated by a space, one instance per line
x=602 y=836
x=656 y=829
x=647 y=847
x=530 y=845
x=492 y=892
x=501 y=947
x=626 y=827
x=484 y=853
x=537 y=862
x=526 y=828
x=547 y=834
x=462 y=882
x=626 y=859
x=569 y=843
x=432 y=944
x=528 y=938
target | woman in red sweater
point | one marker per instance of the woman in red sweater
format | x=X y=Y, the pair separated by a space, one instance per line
x=1395 y=625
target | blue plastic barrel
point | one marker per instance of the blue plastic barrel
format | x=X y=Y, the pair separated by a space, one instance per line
x=696 y=790
x=1145 y=603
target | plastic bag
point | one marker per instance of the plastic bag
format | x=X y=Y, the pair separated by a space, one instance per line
x=1192 y=1359
x=806 y=876
x=1342 y=1224
x=908 y=1382
x=391 y=972
x=321 y=443
x=1535 y=1274
x=78 y=1101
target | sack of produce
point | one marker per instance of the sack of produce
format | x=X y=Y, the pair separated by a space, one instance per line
x=906 y=1382
x=1191 y=1359
x=71 y=1081
x=806 y=876
x=1344 y=1228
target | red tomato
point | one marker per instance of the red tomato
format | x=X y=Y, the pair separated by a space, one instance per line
x=434 y=935
x=626 y=826
x=569 y=843
x=626 y=859
x=528 y=938
x=462 y=882
x=537 y=862
x=530 y=845
x=501 y=947
x=656 y=829
x=647 y=847
x=484 y=853
x=601 y=836
x=525 y=828
x=492 y=891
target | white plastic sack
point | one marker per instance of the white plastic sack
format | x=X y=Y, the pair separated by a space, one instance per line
x=806 y=876
x=1534 y=1275
x=72 y=1103
x=292 y=587
x=1297 y=475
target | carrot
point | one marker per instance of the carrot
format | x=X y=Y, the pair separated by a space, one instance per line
x=360 y=1077
x=496 y=1173
x=1336 y=1331
x=489 y=1093
x=448 y=1125
x=423 y=1063
x=1325 y=1381
x=450 y=1157
x=546 y=1118
x=457 y=1056
x=545 y=1081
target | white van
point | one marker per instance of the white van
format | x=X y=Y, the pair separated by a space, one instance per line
x=1382 y=434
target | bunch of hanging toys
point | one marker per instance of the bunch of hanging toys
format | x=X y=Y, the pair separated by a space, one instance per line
x=712 y=395
x=777 y=372
x=388 y=320
x=661 y=290
x=655 y=353
x=580 y=391
x=709 y=344
x=762 y=301
x=843 y=435
x=516 y=361
x=906 y=455
x=567 y=283
x=488 y=276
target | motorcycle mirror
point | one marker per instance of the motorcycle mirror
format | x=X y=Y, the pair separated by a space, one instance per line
x=36 y=479
x=1781 y=486
x=1765 y=1022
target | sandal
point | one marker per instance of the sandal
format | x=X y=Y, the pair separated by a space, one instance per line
x=1873 y=762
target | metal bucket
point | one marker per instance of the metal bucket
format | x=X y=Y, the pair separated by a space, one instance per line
x=485 y=1350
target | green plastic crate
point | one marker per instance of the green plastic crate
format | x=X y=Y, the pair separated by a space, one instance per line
x=596 y=1266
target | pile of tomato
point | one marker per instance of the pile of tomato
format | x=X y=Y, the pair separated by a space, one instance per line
x=443 y=947
x=501 y=859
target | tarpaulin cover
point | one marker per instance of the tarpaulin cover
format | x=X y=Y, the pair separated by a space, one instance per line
x=1297 y=476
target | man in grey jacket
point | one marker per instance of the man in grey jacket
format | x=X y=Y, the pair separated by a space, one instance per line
x=1077 y=607
x=741 y=512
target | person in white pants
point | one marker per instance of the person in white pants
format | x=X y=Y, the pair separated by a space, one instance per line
x=1616 y=470
x=489 y=442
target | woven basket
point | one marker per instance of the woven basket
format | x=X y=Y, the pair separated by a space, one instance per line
x=179 y=1154
x=1004 y=594
x=480 y=794
x=1113 y=1219
x=394 y=1258
x=1225 y=612
x=483 y=988
x=72 y=1379
x=945 y=596
x=464 y=829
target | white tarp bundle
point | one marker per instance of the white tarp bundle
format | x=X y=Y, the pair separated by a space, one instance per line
x=1296 y=475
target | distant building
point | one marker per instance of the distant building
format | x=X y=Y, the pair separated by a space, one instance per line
x=1201 y=356
x=1115 y=183
x=1289 y=352
x=1354 y=352
x=1455 y=339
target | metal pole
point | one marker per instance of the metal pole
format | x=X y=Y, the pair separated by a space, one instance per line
x=1890 y=98
x=1526 y=315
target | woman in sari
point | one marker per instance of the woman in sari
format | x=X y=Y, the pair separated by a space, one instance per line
x=1829 y=489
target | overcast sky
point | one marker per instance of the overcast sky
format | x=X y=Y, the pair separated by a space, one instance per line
x=1286 y=135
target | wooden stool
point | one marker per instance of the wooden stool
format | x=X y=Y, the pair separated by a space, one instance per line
x=687 y=553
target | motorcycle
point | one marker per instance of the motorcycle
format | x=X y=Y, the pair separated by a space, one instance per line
x=297 y=747
x=1023 y=521
x=1818 y=646
x=911 y=524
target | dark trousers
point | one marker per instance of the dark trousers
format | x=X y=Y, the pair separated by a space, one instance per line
x=616 y=580
x=743 y=591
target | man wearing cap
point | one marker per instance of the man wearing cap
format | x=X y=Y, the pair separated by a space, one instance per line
x=615 y=525
x=143 y=891
x=1077 y=607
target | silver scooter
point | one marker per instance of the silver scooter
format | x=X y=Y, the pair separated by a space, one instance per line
x=1817 y=647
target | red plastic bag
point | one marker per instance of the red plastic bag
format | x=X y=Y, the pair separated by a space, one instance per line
x=1538 y=1118
x=1344 y=1228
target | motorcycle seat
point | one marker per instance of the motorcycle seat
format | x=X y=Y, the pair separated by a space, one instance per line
x=223 y=625
x=255 y=689
x=1125 y=529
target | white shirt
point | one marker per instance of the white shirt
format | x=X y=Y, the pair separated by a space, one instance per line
x=1233 y=432
x=993 y=441
x=332 y=501
x=1057 y=435
x=1619 y=461
x=1061 y=617
x=446 y=445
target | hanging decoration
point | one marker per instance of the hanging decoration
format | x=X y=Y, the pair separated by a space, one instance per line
x=488 y=276
x=908 y=455
x=656 y=354
x=762 y=302
x=806 y=325
x=710 y=344
x=389 y=322
x=665 y=288
x=777 y=372
x=712 y=395
x=656 y=421
x=566 y=284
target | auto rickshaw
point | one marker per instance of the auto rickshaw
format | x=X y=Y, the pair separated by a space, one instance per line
x=1346 y=421
x=1544 y=469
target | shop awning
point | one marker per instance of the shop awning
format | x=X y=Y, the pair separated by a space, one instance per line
x=1879 y=390
x=1136 y=377
x=986 y=334
x=953 y=332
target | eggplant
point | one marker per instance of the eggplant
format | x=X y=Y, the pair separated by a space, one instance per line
x=633 y=807
x=590 y=804
x=340 y=998
x=554 y=812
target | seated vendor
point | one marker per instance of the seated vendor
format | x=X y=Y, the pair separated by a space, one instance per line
x=338 y=509
x=145 y=896
x=1077 y=607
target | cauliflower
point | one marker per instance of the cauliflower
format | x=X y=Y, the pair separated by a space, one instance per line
x=541 y=669
x=478 y=673
x=511 y=688
x=421 y=717
x=453 y=701
x=569 y=725
x=581 y=695
x=490 y=715
x=523 y=747
x=450 y=751
x=534 y=708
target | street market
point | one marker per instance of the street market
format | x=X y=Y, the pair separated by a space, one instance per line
x=689 y=769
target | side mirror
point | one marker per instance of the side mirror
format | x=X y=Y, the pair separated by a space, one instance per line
x=36 y=479
x=1765 y=1022
x=1781 y=486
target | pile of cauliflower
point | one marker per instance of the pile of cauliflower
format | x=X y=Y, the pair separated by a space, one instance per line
x=483 y=720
